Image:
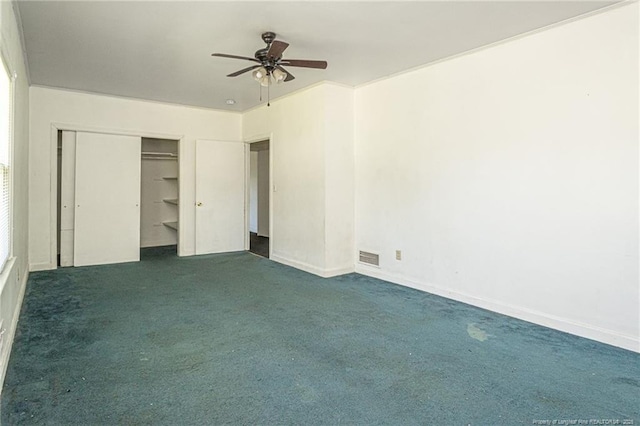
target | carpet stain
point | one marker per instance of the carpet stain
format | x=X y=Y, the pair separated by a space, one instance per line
x=627 y=381
x=307 y=394
x=476 y=333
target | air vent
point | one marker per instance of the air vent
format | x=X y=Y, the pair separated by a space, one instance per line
x=369 y=258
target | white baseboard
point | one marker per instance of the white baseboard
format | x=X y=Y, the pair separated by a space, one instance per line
x=609 y=337
x=11 y=331
x=298 y=265
x=182 y=252
x=33 y=267
x=321 y=272
x=158 y=243
x=334 y=272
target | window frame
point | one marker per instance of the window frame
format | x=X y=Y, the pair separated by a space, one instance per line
x=10 y=142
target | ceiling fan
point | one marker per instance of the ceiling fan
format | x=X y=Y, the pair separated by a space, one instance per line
x=270 y=62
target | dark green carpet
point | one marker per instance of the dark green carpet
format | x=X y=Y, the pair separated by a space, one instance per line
x=238 y=339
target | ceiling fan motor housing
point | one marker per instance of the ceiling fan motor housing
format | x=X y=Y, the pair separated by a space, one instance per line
x=268 y=37
x=262 y=54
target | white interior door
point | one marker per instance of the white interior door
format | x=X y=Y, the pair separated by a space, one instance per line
x=220 y=196
x=107 y=197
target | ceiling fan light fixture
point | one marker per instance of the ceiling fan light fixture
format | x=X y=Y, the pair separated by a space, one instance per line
x=265 y=81
x=279 y=75
x=259 y=74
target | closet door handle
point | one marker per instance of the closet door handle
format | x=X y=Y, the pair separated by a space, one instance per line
x=199 y=204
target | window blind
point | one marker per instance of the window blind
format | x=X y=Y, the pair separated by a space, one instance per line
x=5 y=165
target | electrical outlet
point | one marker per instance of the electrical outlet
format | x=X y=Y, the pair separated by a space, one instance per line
x=398 y=254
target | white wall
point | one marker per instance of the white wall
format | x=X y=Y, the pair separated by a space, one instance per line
x=14 y=277
x=253 y=192
x=509 y=177
x=297 y=127
x=263 y=193
x=339 y=178
x=52 y=107
x=297 y=229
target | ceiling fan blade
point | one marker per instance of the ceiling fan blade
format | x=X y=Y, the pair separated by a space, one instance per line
x=224 y=55
x=276 y=49
x=304 y=63
x=289 y=76
x=242 y=71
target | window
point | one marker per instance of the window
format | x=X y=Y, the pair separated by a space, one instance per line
x=5 y=164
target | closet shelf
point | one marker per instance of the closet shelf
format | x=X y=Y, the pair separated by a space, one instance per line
x=172 y=225
x=173 y=201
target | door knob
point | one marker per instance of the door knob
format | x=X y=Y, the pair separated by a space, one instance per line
x=199 y=204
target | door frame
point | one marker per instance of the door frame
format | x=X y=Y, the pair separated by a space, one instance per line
x=53 y=177
x=263 y=137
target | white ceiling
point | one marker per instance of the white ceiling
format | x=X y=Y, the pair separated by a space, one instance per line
x=161 y=50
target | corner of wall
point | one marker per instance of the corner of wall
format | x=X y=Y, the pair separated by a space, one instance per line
x=339 y=178
x=321 y=272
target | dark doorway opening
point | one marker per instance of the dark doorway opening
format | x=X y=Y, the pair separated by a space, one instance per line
x=259 y=189
x=259 y=245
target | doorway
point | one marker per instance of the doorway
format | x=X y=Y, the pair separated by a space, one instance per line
x=259 y=186
x=159 y=196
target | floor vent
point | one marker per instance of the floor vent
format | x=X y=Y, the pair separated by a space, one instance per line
x=369 y=258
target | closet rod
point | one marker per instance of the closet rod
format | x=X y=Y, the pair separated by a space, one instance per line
x=160 y=154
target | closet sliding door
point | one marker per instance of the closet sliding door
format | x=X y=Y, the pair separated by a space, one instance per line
x=107 y=199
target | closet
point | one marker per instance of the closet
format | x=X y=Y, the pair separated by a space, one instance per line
x=159 y=193
x=117 y=193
